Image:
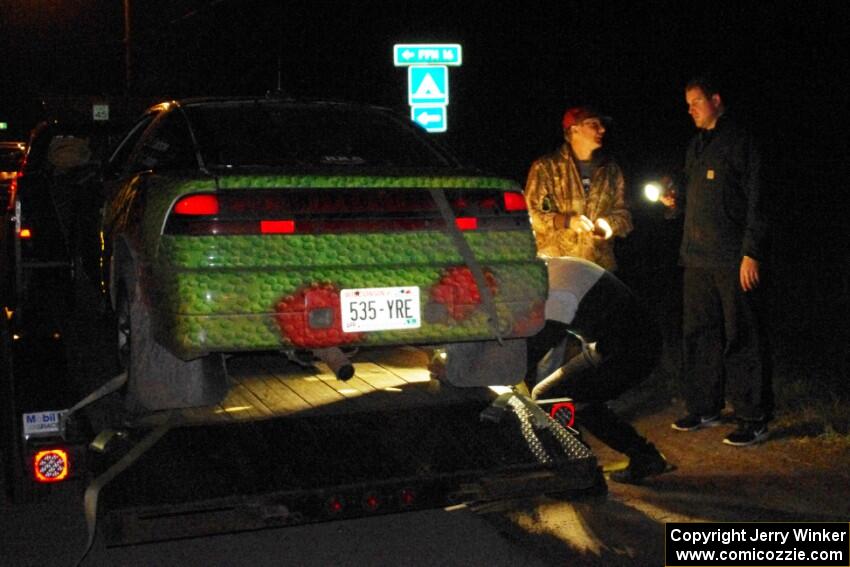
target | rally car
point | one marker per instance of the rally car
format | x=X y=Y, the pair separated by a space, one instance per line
x=257 y=224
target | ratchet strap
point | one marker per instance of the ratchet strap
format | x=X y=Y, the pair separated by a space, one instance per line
x=462 y=246
x=113 y=385
x=93 y=489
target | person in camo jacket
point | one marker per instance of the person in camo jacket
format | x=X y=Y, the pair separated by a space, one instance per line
x=576 y=196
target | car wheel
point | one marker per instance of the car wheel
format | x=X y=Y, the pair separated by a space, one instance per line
x=156 y=378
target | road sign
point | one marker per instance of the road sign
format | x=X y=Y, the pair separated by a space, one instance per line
x=432 y=118
x=428 y=85
x=100 y=112
x=427 y=54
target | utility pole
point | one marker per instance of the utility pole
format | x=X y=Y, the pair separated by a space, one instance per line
x=128 y=73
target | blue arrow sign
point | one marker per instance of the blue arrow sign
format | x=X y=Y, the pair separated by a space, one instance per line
x=428 y=85
x=432 y=118
x=427 y=54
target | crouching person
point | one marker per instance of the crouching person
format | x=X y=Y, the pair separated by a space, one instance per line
x=620 y=348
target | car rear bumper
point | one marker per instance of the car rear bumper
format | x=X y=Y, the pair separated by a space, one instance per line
x=199 y=312
x=231 y=294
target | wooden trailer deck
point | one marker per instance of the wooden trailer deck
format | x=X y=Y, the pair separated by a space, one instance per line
x=265 y=386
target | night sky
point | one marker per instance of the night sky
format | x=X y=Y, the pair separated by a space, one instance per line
x=524 y=63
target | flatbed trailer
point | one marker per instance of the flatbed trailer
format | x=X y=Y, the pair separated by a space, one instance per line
x=291 y=444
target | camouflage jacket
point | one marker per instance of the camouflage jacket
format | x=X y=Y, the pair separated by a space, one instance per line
x=554 y=189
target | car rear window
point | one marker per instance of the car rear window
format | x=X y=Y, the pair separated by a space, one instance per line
x=262 y=134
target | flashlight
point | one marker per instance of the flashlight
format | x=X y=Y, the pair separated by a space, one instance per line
x=654 y=191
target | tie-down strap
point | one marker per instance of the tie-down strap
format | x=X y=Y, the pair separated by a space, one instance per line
x=462 y=246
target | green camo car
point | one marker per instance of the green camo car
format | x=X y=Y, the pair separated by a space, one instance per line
x=237 y=225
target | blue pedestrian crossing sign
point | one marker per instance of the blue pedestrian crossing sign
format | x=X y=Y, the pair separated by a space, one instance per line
x=432 y=118
x=428 y=85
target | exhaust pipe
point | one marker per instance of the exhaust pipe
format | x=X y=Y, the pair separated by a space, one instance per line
x=337 y=361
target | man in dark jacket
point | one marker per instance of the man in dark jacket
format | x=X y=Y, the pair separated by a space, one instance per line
x=723 y=252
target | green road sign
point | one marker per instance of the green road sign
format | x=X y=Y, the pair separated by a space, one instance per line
x=427 y=54
x=432 y=118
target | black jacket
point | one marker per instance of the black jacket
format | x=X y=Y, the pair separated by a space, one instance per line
x=725 y=216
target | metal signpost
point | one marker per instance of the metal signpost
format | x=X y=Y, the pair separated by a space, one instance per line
x=428 y=80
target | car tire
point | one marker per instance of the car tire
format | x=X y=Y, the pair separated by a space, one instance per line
x=156 y=378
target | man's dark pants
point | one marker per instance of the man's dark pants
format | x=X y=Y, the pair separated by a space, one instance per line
x=630 y=351
x=724 y=345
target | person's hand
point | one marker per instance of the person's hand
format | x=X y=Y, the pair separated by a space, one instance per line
x=749 y=273
x=580 y=223
x=668 y=200
x=668 y=192
x=602 y=229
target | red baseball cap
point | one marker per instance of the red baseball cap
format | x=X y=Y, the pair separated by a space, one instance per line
x=577 y=114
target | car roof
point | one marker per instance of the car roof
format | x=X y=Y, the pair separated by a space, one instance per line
x=277 y=99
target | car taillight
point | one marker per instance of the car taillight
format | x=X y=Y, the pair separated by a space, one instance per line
x=13 y=192
x=277 y=227
x=51 y=465
x=302 y=211
x=466 y=223
x=197 y=205
x=514 y=201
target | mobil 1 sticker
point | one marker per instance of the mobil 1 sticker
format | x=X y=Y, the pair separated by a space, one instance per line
x=42 y=423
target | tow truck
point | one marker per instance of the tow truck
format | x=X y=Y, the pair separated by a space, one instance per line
x=296 y=435
x=290 y=444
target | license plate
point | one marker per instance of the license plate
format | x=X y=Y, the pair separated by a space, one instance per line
x=380 y=309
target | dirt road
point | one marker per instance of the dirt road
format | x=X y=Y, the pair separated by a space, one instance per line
x=790 y=477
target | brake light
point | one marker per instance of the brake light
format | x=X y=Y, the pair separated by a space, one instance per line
x=514 y=201
x=466 y=223
x=13 y=192
x=51 y=465
x=304 y=211
x=197 y=205
x=25 y=234
x=277 y=227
